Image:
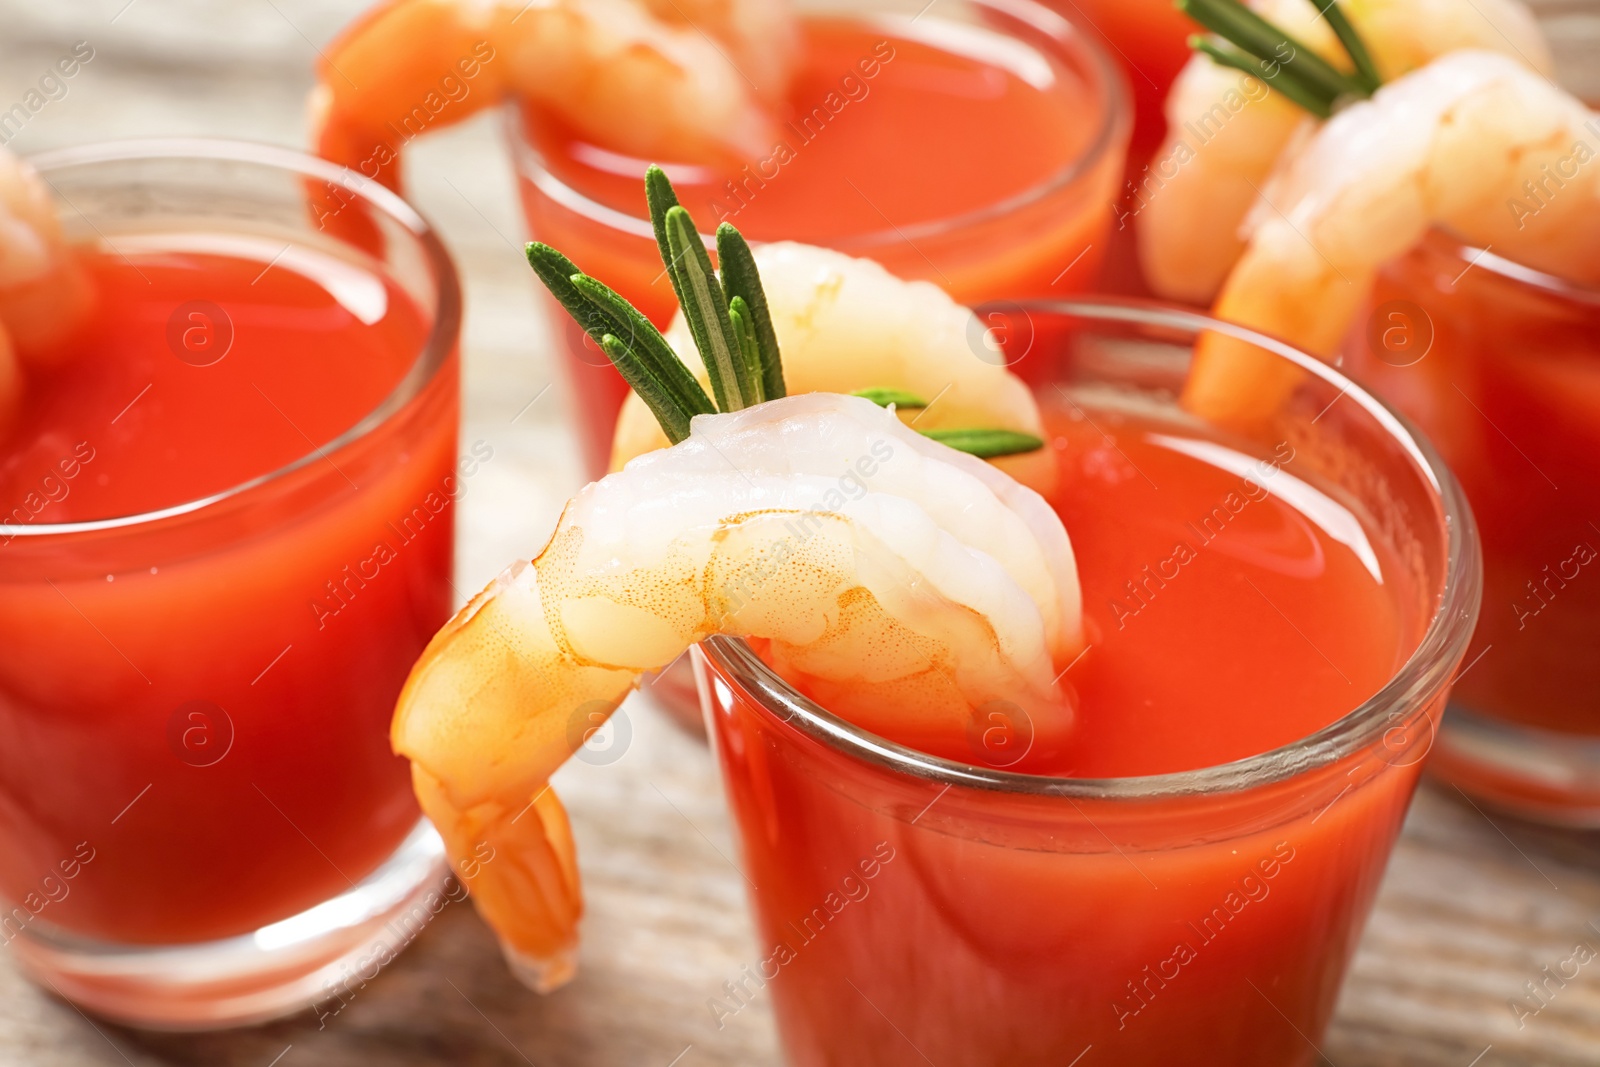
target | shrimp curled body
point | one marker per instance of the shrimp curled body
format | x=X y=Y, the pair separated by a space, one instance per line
x=1226 y=130
x=1465 y=144
x=667 y=79
x=902 y=584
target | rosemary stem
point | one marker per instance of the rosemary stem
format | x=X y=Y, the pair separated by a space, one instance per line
x=1286 y=82
x=1366 y=73
x=1239 y=25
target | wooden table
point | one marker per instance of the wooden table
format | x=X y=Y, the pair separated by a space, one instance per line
x=1471 y=908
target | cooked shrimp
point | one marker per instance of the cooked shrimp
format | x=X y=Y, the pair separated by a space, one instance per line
x=44 y=292
x=1226 y=130
x=673 y=79
x=846 y=324
x=1474 y=143
x=903 y=584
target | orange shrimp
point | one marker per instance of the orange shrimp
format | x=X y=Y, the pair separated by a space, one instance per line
x=1227 y=130
x=907 y=585
x=671 y=79
x=1474 y=143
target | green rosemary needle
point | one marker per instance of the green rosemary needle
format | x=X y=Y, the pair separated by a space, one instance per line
x=986 y=444
x=705 y=309
x=1366 y=72
x=750 y=349
x=883 y=396
x=741 y=281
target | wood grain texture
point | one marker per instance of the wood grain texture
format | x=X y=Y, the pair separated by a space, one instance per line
x=1470 y=911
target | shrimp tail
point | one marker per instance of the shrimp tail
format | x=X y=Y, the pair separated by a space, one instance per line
x=482 y=757
x=403 y=67
x=521 y=867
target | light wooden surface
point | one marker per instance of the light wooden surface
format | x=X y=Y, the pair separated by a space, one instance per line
x=1471 y=909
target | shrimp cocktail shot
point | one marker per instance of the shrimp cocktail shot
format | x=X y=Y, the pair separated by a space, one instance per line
x=1055 y=718
x=1431 y=211
x=976 y=144
x=228 y=458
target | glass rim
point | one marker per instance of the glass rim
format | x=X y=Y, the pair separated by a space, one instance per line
x=1515 y=271
x=1116 y=120
x=433 y=354
x=1425 y=671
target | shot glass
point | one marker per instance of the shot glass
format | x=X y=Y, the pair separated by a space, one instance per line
x=201 y=822
x=1500 y=365
x=914 y=909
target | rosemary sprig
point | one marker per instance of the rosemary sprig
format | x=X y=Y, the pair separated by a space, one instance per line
x=729 y=320
x=1301 y=75
x=672 y=416
x=1293 y=88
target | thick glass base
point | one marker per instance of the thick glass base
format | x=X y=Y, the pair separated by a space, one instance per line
x=1541 y=775
x=318 y=957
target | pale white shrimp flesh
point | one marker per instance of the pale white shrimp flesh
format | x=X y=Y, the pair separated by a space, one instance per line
x=902 y=584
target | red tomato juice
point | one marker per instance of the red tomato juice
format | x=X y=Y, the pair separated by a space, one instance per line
x=945 y=151
x=199 y=703
x=1234 y=608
